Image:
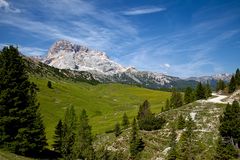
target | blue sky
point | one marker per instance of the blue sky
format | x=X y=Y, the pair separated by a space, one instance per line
x=178 y=37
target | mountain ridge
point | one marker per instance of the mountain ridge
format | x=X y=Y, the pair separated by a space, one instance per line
x=64 y=54
x=67 y=55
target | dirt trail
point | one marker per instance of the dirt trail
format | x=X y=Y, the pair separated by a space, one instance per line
x=217 y=99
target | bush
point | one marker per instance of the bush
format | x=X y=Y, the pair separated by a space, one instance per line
x=49 y=84
x=151 y=122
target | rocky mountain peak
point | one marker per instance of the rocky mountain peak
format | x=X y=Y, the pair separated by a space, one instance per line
x=66 y=55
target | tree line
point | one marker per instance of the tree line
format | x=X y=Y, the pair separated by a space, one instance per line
x=230 y=87
x=177 y=99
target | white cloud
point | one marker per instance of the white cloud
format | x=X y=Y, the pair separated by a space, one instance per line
x=7 y=7
x=143 y=10
x=167 y=65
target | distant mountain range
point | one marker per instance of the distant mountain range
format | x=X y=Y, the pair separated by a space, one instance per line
x=224 y=76
x=66 y=55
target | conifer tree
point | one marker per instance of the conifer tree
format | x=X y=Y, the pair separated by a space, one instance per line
x=230 y=123
x=147 y=120
x=220 y=85
x=58 y=137
x=136 y=143
x=208 y=91
x=225 y=150
x=125 y=121
x=144 y=110
x=83 y=148
x=232 y=85
x=188 y=95
x=200 y=91
x=20 y=119
x=186 y=146
x=69 y=129
x=172 y=153
x=180 y=122
x=176 y=99
x=229 y=141
x=167 y=105
x=117 y=130
x=237 y=77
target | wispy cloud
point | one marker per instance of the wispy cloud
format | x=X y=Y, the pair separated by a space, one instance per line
x=91 y=26
x=189 y=51
x=143 y=10
x=30 y=51
x=4 y=5
x=188 y=44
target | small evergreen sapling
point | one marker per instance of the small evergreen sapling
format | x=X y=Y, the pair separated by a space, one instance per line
x=125 y=121
x=136 y=143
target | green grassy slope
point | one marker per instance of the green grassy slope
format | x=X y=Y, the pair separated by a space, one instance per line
x=104 y=103
x=5 y=155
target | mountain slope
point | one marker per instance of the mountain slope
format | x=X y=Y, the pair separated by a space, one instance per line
x=37 y=68
x=66 y=55
x=104 y=103
x=205 y=115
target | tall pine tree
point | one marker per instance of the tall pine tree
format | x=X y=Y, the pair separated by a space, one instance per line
x=220 y=85
x=188 y=95
x=83 y=148
x=21 y=125
x=144 y=110
x=58 y=137
x=69 y=131
x=229 y=141
x=237 y=77
x=232 y=85
x=186 y=143
x=200 y=91
x=208 y=90
x=176 y=99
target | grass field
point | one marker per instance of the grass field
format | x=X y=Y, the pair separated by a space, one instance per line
x=6 y=155
x=104 y=103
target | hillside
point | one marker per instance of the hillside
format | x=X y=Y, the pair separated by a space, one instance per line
x=204 y=114
x=105 y=103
